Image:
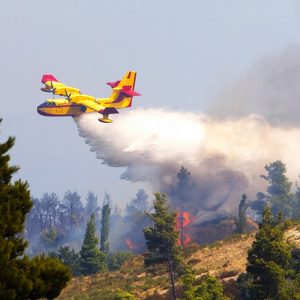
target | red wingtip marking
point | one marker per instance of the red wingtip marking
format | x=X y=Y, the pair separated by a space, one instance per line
x=48 y=77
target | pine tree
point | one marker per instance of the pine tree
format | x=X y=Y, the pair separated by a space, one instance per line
x=279 y=189
x=139 y=204
x=15 y=203
x=104 y=242
x=92 y=260
x=269 y=261
x=182 y=191
x=17 y=279
x=48 y=276
x=69 y=257
x=162 y=237
x=279 y=184
x=137 y=220
x=296 y=204
x=91 y=204
x=115 y=260
x=179 y=191
x=73 y=209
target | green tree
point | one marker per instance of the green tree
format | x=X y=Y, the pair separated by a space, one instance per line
x=139 y=204
x=296 y=204
x=279 y=189
x=73 y=209
x=279 y=184
x=92 y=260
x=123 y=295
x=91 y=204
x=68 y=257
x=49 y=277
x=209 y=288
x=104 y=242
x=241 y=219
x=16 y=270
x=117 y=259
x=137 y=220
x=15 y=203
x=161 y=238
x=180 y=192
x=49 y=238
x=269 y=258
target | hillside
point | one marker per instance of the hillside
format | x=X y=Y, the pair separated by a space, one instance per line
x=225 y=259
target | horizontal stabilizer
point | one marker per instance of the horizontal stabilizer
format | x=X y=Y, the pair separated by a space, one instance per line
x=130 y=93
x=113 y=84
x=48 y=77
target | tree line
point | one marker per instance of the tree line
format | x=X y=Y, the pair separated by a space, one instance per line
x=54 y=222
x=279 y=196
x=162 y=247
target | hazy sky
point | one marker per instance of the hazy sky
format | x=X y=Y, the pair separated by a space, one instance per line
x=183 y=51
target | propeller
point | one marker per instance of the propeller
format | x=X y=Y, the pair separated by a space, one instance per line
x=68 y=95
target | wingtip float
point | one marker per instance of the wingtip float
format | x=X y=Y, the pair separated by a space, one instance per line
x=75 y=103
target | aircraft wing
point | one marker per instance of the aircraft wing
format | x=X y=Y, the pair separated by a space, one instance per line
x=64 y=90
x=97 y=107
x=52 y=85
x=92 y=105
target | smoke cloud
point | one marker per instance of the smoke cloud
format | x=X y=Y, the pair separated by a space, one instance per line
x=271 y=88
x=225 y=157
x=254 y=122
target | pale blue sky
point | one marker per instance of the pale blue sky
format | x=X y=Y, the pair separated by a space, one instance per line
x=183 y=51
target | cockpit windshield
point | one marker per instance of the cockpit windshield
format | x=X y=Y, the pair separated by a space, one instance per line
x=50 y=103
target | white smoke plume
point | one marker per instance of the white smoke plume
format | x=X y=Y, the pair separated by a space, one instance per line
x=225 y=157
x=259 y=124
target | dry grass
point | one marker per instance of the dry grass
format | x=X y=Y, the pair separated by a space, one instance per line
x=292 y=236
x=225 y=259
x=132 y=277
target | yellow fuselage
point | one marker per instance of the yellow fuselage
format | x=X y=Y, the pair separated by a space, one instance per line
x=55 y=109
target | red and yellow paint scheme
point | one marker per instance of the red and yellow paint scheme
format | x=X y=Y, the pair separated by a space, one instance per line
x=75 y=103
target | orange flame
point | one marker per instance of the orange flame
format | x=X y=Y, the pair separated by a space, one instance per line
x=186 y=219
x=130 y=244
x=187 y=239
x=183 y=220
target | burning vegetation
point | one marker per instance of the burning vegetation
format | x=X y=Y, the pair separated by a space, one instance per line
x=130 y=244
x=183 y=222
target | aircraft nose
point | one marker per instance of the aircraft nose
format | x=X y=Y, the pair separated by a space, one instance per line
x=41 y=109
x=43 y=105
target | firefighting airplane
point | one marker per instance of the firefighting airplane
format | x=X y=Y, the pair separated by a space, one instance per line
x=75 y=103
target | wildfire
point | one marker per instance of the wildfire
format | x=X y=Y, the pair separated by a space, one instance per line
x=183 y=220
x=186 y=219
x=130 y=244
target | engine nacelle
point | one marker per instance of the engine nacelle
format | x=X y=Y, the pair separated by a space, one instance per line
x=47 y=89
